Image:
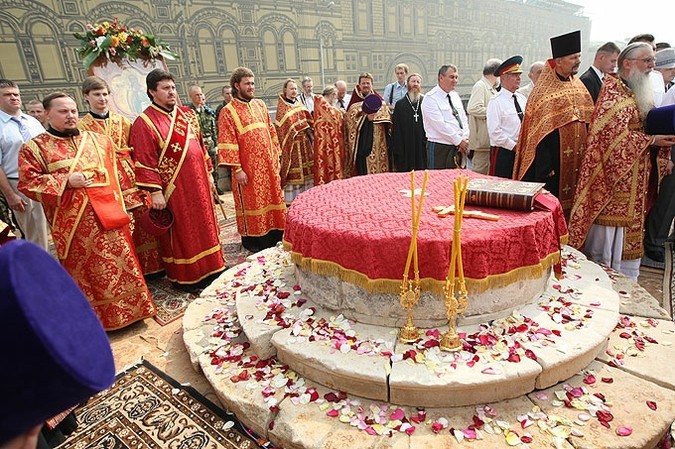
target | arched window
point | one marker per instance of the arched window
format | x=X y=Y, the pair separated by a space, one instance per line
x=270 y=50
x=290 y=57
x=48 y=52
x=229 y=43
x=207 y=55
x=11 y=63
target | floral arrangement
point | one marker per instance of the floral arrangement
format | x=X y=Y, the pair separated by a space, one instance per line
x=114 y=40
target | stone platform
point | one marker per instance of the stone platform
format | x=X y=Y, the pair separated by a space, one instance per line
x=281 y=363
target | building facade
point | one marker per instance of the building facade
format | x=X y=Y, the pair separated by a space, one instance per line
x=278 y=39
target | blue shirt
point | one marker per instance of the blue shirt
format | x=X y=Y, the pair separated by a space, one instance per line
x=11 y=141
x=399 y=92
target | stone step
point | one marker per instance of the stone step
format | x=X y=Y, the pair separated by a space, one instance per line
x=585 y=294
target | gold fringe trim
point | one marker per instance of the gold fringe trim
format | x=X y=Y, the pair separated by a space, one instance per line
x=393 y=286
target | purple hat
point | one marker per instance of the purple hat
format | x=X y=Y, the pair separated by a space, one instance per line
x=55 y=353
x=661 y=120
x=371 y=104
x=156 y=221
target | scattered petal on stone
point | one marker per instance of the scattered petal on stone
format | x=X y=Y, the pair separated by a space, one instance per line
x=651 y=405
x=512 y=438
x=624 y=431
x=607 y=380
x=398 y=415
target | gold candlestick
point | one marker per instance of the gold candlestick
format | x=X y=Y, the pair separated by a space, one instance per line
x=455 y=304
x=410 y=293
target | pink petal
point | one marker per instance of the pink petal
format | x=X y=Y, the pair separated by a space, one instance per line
x=333 y=413
x=624 y=431
x=651 y=405
x=398 y=415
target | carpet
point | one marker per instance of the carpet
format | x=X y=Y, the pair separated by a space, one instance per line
x=171 y=302
x=669 y=279
x=145 y=408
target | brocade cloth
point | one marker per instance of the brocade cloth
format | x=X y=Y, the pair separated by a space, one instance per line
x=360 y=229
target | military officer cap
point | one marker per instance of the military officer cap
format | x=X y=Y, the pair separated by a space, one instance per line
x=511 y=65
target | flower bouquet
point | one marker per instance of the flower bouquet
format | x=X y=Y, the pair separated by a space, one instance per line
x=112 y=40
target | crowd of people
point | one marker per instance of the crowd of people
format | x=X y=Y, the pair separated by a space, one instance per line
x=128 y=200
x=124 y=201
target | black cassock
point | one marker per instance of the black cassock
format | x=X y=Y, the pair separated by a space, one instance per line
x=408 y=139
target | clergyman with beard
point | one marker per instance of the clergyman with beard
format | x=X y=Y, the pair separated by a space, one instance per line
x=408 y=139
x=553 y=133
x=616 y=166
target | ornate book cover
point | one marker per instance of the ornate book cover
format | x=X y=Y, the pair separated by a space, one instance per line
x=503 y=193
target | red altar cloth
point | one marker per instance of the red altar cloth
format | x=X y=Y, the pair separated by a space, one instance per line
x=360 y=229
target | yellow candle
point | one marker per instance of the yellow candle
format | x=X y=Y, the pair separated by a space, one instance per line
x=410 y=250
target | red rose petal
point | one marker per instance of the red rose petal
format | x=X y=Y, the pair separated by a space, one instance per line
x=607 y=380
x=651 y=405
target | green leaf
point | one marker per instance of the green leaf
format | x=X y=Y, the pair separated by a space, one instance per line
x=168 y=55
x=79 y=36
x=89 y=59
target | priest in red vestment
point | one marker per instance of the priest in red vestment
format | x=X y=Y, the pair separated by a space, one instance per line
x=102 y=120
x=329 y=145
x=248 y=144
x=610 y=204
x=553 y=132
x=74 y=175
x=294 y=129
x=173 y=165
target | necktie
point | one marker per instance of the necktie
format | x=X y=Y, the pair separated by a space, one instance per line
x=455 y=113
x=25 y=133
x=518 y=110
x=342 y=103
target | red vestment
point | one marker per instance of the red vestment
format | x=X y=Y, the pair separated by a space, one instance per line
x=89 y=225
x=170 y=156
x=293 y=123
x=118 y=128
x=614 y=174
x=248 y=141
x=329 y=143
x=565 y=106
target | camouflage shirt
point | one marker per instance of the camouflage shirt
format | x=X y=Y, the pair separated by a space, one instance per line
x=208 y=124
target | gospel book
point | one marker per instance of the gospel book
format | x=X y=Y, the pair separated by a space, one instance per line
x=503 y=193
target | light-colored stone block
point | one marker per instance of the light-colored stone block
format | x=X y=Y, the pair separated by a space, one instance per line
x=417 y=385
x=655 y=362
x=460 y=418
x=359 y=374
x=627 y=395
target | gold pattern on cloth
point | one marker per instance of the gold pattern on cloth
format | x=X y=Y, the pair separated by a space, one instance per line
x=554 y=104
x=102 y=262
x=117 y=127
x=378 y=159
x=248 y=140
x=614 y=174
x=293 y=123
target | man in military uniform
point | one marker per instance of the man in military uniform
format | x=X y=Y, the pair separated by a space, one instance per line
x=208 y=125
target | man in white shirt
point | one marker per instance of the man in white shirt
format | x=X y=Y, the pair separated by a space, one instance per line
x=396 y=90
x=307 y=96
x=15 y=129
x=504 y=116
x=343 y=97
x=445 y=122
x=604 y=62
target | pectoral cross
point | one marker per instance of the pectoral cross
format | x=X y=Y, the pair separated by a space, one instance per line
x=444 y=211
x=416 y=115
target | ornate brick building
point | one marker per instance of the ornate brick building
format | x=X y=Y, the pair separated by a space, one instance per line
x=327 y=40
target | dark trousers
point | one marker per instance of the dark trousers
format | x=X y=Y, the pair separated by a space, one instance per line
x=660 y=218
x=440 y=155
x=501 y=162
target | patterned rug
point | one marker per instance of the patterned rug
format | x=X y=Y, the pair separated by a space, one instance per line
x=171 y=302
x=145 y=408
x=669 y=279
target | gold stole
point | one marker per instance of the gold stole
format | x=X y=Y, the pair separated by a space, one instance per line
x=174 y=148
